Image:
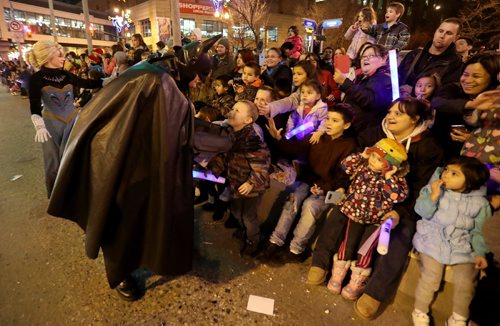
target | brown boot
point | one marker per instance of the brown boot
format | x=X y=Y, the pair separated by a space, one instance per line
x=366 y=307
x=357 y=284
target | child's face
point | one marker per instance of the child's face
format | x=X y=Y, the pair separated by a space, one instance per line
x=335 y=124
x=391 y=15
x=219 y=88
x=309 y=96
x=249 y=75
x=376 y=163
x=262 y=97
x=425 y=87
x=453 y=178
x=239 y=116
x=299 y=76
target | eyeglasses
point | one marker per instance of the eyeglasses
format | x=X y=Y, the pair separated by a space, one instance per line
x=368 y=57
x=271 y=57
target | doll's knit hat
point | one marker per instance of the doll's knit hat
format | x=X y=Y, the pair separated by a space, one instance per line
x=391 y=150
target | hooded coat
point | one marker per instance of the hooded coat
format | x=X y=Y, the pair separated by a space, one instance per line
x=125 y=177
x=450 y=230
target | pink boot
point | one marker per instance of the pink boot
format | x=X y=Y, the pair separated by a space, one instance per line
x=339 y=270
x=357 y=284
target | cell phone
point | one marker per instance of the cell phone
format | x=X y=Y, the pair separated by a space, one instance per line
x=343 y=63
x=459 y=127
x=334 y=197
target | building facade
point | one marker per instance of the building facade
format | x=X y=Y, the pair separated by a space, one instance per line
x=34 y=18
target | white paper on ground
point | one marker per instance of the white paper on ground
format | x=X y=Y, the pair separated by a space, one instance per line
x=261 y=305
x=17 y=176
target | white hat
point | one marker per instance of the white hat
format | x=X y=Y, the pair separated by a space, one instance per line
x=196 y=32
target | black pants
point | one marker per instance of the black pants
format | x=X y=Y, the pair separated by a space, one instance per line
x=388 y=269
x=245 y=209
x=355 y=236
x=329 y=239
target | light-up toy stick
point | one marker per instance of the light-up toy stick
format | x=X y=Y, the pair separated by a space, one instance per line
x=305 y=128
x=384 y=236
x=209 y=177
x=393 y=64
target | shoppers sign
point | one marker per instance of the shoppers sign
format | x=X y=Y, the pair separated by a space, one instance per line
x=196 y=8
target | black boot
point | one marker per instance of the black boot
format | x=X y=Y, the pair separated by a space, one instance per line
x=220 y=210
x=129 y=289
x=232 y=222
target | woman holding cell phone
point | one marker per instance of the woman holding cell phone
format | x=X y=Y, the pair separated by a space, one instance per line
x=457 y=103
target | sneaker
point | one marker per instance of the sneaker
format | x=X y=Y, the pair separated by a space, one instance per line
x=293 y=258
x=249 y=248
x=456 y=320
x=271 y=251
x=419 y=318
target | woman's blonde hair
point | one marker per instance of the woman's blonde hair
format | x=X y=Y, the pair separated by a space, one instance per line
x=42 y=52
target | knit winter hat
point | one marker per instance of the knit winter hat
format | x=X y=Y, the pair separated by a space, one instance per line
x=196 y=32
x=94 y=59
x=390 y=150
x=99 y=51
x=224 y=41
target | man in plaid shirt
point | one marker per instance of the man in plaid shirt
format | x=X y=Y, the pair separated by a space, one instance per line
x=392 y=34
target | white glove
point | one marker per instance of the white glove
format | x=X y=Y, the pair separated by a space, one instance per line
x=42 y=134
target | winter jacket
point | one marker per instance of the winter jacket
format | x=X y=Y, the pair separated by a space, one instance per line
x=358 y=38
x=484 y=142
x=222 y=66
x=395 y=37
x=324 y=160
x=329 y=87
x=449 y=103
x=287 y=104
x=250 y=91
x=279 y=78
x=370 y=97
x=424 y=156
x=450 y=230
x=248 y=160
x=317 y=116
x=370 y=195
x=297 y=50
x=447 y=65
x=223 y=104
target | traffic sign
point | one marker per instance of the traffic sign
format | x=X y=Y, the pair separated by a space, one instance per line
x=15 y=26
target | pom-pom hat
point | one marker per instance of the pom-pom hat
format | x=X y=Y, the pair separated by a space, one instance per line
x=390 y=150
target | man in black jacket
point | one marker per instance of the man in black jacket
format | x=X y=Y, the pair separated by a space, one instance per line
x=437 y=57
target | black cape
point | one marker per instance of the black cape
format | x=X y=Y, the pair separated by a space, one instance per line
x=126 y=175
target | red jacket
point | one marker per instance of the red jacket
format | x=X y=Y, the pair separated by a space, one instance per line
x=297 y=46
x=330 y=86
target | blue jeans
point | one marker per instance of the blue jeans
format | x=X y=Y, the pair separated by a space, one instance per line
x=312 y=208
